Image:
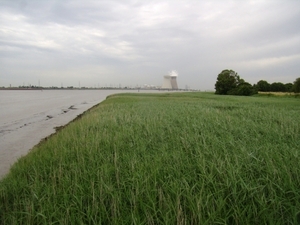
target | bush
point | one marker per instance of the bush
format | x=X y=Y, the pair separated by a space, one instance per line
x=244 y=89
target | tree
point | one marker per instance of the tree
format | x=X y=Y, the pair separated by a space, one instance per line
x=296 y=86
x=230 y=83
x=288 y=87
x=226 y=81
x=277 y=87
x=263 y=85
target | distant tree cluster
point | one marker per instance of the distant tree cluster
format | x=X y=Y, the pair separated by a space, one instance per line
x=229 y=83
x=30 y=87
x=264 y=86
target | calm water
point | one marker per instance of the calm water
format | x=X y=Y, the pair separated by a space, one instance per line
x=27 y=116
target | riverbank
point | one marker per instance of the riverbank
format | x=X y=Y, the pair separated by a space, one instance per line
x=26 y=117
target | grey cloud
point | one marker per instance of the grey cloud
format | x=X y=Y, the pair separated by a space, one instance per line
x=138 y=42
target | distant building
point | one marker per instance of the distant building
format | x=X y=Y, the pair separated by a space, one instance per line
x=170 y=81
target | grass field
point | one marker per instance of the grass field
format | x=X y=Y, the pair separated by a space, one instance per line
x=176 y=158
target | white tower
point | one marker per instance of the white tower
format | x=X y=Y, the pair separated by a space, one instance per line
x=170 y=81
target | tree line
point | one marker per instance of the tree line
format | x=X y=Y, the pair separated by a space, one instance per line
x=230 y=83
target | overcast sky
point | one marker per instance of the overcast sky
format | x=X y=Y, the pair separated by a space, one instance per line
x=134 y=42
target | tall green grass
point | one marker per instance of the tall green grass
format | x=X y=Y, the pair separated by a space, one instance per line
x=180 y=158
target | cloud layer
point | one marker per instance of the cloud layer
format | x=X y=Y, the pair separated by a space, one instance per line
x=131 y=43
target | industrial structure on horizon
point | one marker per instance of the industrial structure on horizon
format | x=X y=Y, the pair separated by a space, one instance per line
x=170 y=81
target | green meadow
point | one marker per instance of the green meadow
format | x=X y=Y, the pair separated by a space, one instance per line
x=169 y=158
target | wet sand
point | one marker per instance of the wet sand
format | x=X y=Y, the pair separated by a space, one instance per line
x=27 y=117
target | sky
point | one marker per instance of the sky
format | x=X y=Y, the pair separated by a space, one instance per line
x=96 y=43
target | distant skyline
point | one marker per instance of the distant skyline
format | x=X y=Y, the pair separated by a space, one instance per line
x=129 y=42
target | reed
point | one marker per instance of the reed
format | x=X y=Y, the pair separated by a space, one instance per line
x=176 y=158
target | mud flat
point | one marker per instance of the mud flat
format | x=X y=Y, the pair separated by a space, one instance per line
x=27 y=117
